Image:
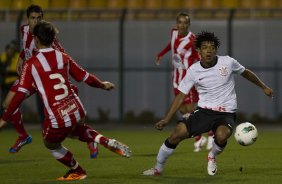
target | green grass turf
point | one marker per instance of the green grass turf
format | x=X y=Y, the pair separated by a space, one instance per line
x=260 y=163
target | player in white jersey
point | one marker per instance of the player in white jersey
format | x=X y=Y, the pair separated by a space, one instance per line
x=213 y=77
x=184 y=54
x=48 y=72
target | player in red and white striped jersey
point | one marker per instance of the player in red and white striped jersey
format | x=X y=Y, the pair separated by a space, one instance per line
x=48 y=73
x=184 y=55
x=34 y=15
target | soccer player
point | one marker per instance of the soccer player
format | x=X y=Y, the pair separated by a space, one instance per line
x=48 y=72
x=34 y=15
x=213 y=77
x=184 y=55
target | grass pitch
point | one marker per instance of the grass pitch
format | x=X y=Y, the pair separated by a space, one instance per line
x=259 y=163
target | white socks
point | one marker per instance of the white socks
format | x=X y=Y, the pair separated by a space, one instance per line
x=216 y=150
x=163 y=155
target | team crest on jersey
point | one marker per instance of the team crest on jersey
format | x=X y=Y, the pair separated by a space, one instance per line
x=177 y=61
x=27 y=54
x=223 y=71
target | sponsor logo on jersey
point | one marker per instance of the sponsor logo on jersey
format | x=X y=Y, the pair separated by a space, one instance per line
x=67 y=109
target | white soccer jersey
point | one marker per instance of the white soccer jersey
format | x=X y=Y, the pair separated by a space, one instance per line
x=215 y=85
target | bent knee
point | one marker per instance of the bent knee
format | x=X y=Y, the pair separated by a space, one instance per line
x=52 y=146
x=180 y=133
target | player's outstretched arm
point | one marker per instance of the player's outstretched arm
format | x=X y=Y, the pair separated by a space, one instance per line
x=162 y=53
x=19 y=65
x=108 y=85
x=178 y=100
x=251 y=76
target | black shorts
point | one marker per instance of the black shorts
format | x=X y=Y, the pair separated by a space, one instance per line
x=204 y=120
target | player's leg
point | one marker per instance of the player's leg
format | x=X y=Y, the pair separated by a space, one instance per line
x=16 y=120
x=52 y=140
x=92 y=146
x=64 y=156
x=210 y=140
x=167 y=148
x=86 y=134
x=222 y=133
x=188 y=106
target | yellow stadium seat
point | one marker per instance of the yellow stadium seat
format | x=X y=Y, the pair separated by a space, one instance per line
x=77 y=4
x=5 y=4
x=42 y=3
x=20 y=4
x=96 y=3
x=248 y=3
x=268 y=4
x=279 y=3
x=115 y=4
x=190 y=4
x=169 y=4
x=59 y=3
x=134 y=4
x=229 y=3
x=210 y=4
x=153 y=4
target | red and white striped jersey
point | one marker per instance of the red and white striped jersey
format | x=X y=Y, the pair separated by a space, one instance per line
x=183 y=52
x=28 y=44
x=184 y=55
x=48 y=72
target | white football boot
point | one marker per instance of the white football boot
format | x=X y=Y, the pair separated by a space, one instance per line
x=212 y=167
x=151 y=172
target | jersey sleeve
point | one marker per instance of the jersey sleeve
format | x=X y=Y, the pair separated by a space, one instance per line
x=237 y=67
x=165 y=50
x=79 y=74
x=26 y=79
x=15 y=103
x=25 y=86
x=187 y=82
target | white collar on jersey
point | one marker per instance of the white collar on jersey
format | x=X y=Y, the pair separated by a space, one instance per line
x=46 y=50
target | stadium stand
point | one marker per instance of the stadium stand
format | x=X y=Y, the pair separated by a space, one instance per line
x=115 y=4
x=96 y=4
x=59 y=4
x=268 y=4
x=43 y=3
x=75 y=4
x=153 y=4
x=134 y=4
x=168 y=4
x=248 y=4
x=20 y=4
x=5 y=5
x=210 y=4
x=191 y=4
x=229 y=3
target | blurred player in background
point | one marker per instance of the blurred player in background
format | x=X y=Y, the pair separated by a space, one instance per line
x=8 y=63
x=184 y=55
x=48 y=72
x=213 y=76
x=34 y=15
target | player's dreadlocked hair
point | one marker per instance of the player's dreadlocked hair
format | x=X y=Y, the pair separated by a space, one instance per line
x=206 y=36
